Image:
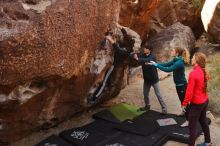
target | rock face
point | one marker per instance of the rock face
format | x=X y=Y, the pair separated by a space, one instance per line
x=149 y=17
x=176 y=35
x=51 y=58
x=169 y=12
x=45 y=35
x=211 y=19
x=136 y=14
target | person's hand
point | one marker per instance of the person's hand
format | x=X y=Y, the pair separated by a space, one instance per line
x=110 y=39
x=135 y=56
x=183 y=109
x=152 y=63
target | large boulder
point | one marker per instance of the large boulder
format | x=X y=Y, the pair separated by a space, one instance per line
x=169 y=12
x=176 y=35
x=39 y=40
x=52 y=57
x=148 y=17
x=211 y=19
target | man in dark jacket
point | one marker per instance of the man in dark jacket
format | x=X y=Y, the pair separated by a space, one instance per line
x=149 y=72
x=150 y=75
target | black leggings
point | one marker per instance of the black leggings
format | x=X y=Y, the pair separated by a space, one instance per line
x=181 y=91
x=198 y=113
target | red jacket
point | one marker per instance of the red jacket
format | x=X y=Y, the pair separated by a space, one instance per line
x=195 y=88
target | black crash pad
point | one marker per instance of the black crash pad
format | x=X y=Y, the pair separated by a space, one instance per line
x=128 y=139
x=139 y=127
x=181 y=134
x=107 y=116
x=53 y=141
x=90 y=134
x=103 y=127
x=173 y=132
x=141 y=130
x=151 y=115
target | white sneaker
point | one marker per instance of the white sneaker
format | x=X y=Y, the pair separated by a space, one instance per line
x=185 y=124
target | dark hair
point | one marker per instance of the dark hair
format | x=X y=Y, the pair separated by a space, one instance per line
x=109 y=32
x=147 y=46
x=201 y=61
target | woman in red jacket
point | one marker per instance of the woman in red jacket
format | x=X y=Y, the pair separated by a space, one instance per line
x=197 y=97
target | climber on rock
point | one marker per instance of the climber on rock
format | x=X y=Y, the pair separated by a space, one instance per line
x=122 y=46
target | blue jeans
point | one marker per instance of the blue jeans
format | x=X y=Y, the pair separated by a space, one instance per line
x=156 y=87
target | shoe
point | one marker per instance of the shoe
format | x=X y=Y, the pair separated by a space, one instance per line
x=181 y=114
x=185 y=124
x=91 y=100
x=204 y=144
x=145 y=108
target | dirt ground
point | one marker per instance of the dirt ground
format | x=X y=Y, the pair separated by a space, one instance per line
x=132 y=94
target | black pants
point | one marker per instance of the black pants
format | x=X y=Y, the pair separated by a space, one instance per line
x=181 y=91
x=198 y=113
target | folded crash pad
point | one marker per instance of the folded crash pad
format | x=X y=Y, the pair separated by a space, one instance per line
x=118 y=113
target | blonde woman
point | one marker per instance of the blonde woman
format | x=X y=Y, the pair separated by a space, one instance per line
x=197 y=97
x=176 y=65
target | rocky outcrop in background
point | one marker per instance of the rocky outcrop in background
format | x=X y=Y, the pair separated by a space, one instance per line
x=150 y=17
x=169 y=12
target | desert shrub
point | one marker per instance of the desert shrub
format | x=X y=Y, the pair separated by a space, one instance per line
x=213 y=68
x=198 y=4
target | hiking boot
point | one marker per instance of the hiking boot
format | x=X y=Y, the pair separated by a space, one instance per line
x=204 y=144
x=145 y=108
x=185 y=124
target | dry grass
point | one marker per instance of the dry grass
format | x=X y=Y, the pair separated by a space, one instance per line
x=213 y=69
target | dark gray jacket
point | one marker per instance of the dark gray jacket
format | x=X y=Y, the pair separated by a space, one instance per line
x=150 y=73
